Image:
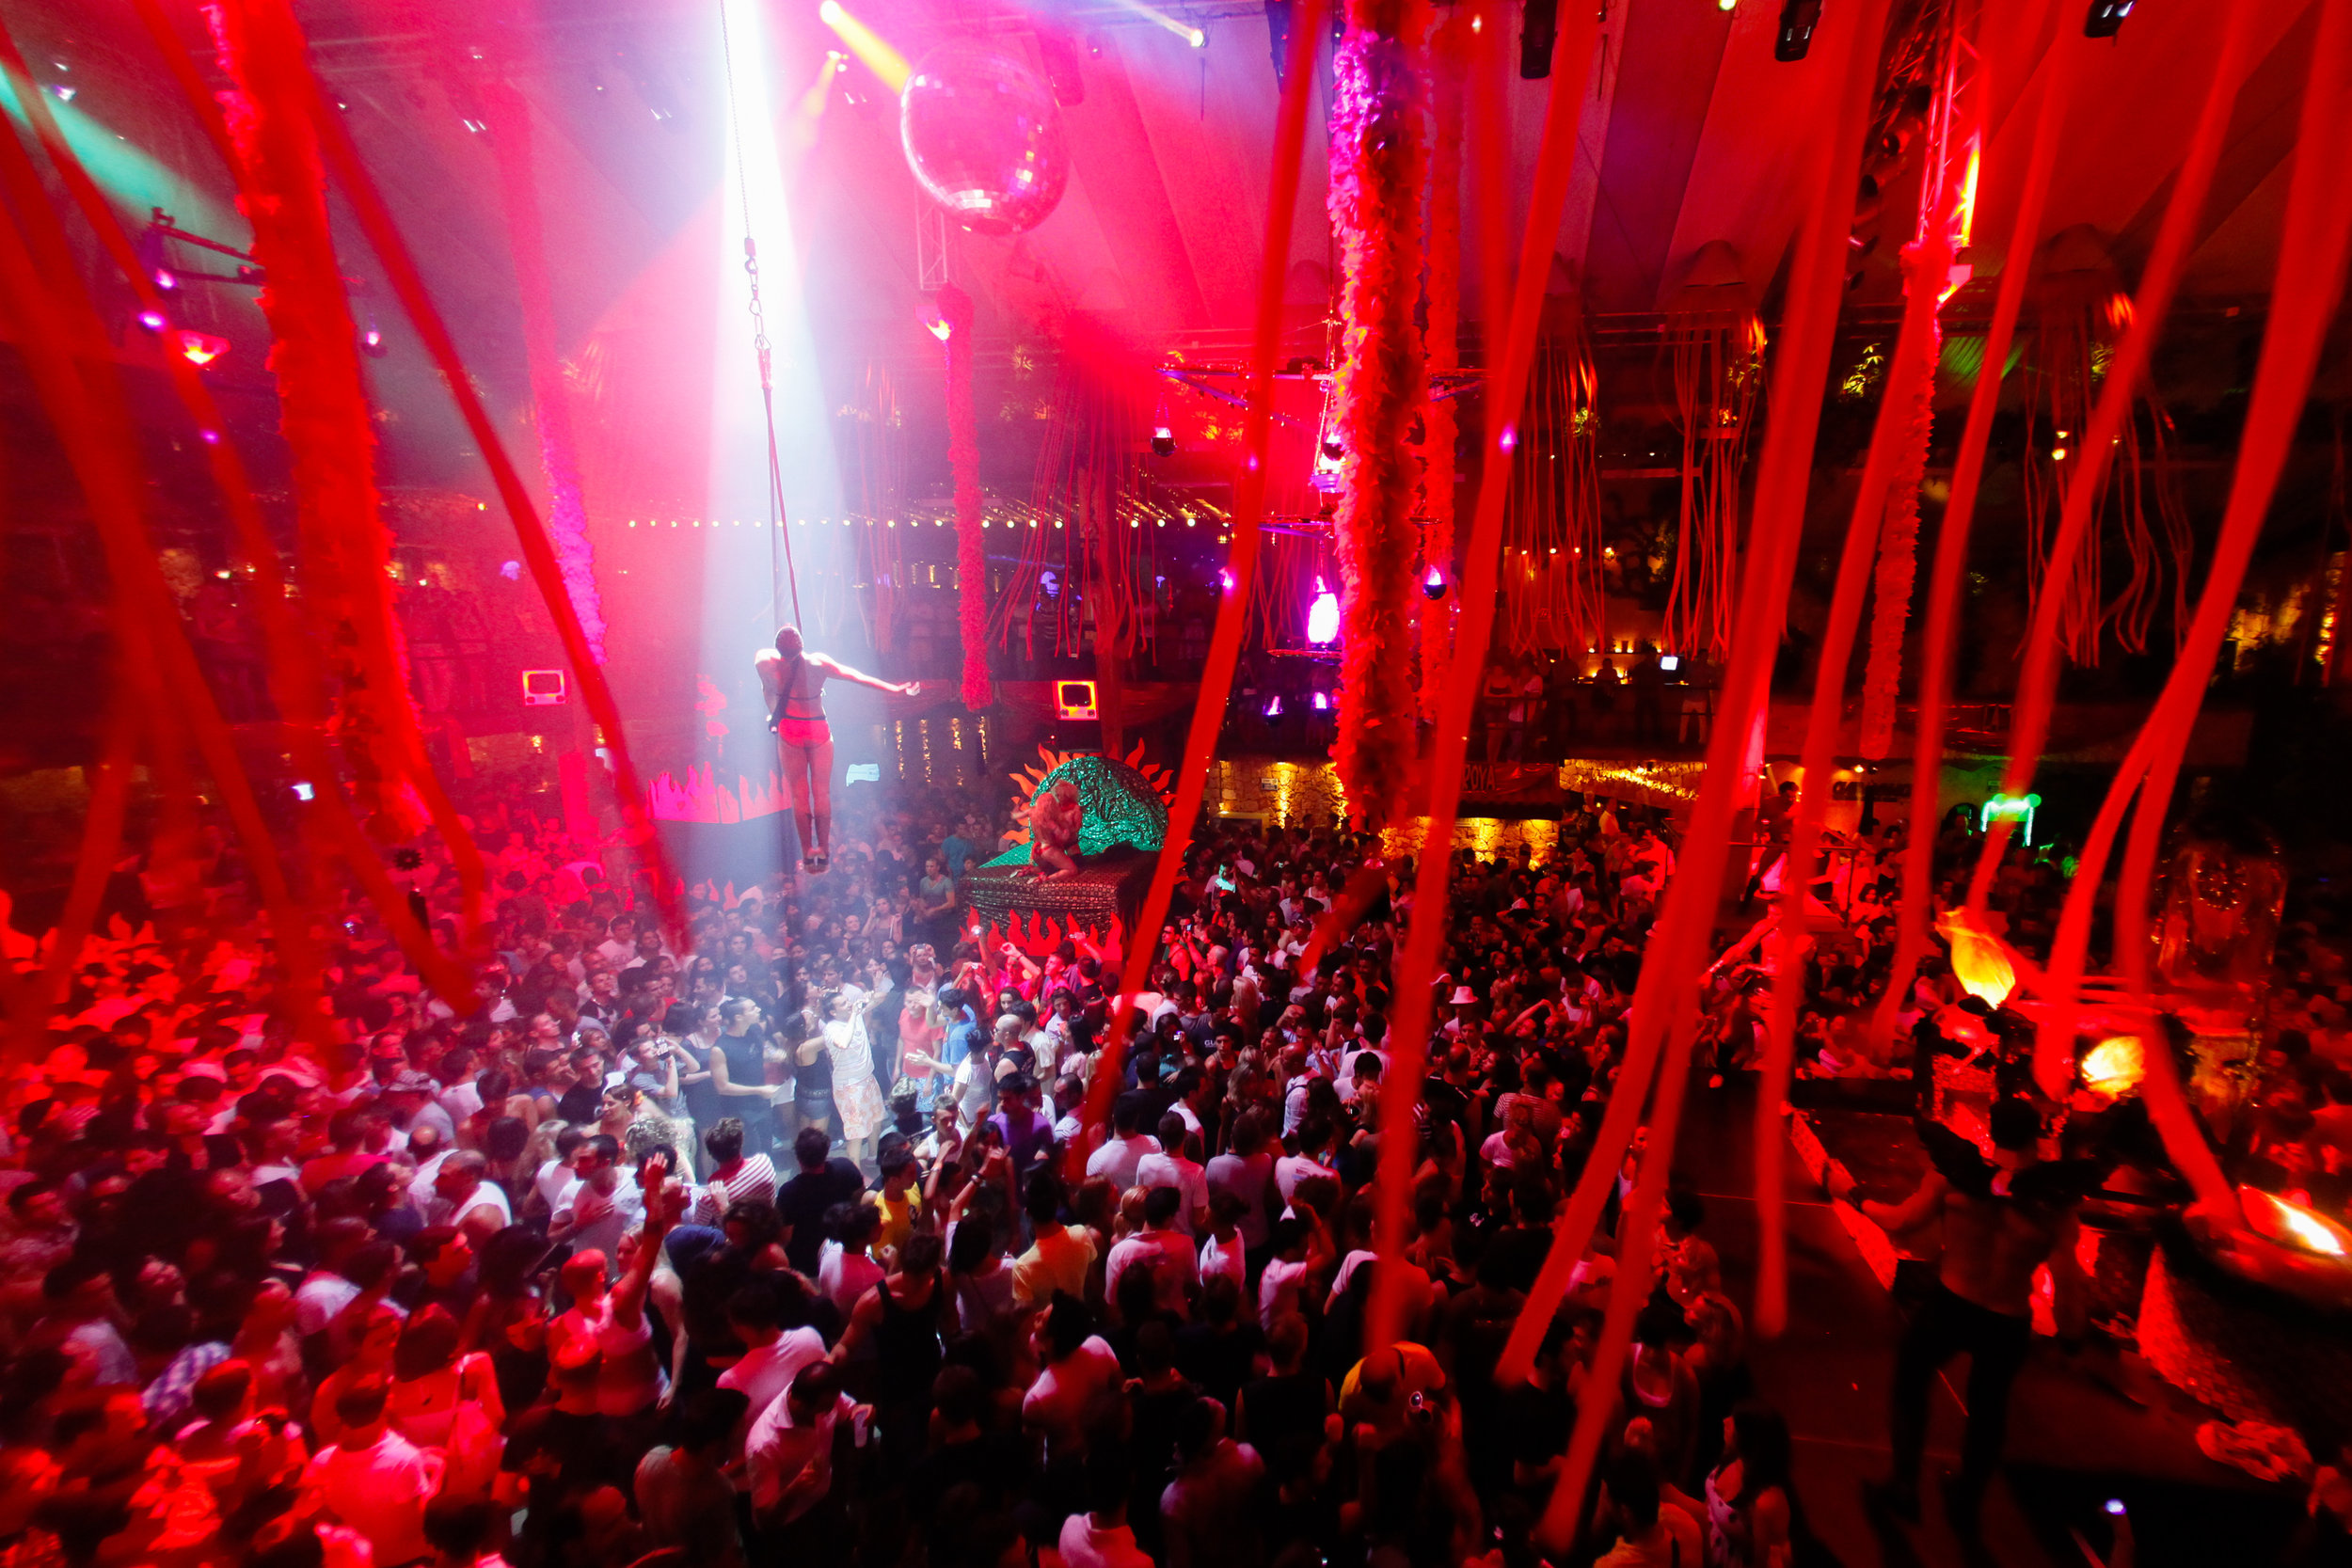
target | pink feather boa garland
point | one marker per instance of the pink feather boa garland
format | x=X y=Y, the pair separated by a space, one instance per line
x=963 y=456
x=1926 y=266
x=1376 y=174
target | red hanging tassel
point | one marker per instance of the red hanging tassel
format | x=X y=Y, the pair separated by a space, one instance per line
x=963 y=456
x=340 y=538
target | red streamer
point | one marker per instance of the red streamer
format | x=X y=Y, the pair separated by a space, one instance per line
x=1233 y=614
x=963 y=456
x=1891 y=451
x=2037 y=685
x=2313 y=253
x=383 y=235
x=559 y=453
x=1506 y=395
x=1441 y=421
x=1952 y=540
x=1926 y=267
x=1663 y=1005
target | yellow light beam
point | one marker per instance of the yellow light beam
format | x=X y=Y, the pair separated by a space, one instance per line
x=866 y=44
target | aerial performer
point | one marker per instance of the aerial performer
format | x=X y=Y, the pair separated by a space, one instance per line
x=792 y=680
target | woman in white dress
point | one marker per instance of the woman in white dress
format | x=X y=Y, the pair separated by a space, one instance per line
x=857 y=1097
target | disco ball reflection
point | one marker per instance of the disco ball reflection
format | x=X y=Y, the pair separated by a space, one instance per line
x=984 y=138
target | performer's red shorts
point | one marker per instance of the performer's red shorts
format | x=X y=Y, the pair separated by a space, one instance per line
x=803 y=733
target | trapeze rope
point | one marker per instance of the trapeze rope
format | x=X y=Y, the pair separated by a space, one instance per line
x=779 y=544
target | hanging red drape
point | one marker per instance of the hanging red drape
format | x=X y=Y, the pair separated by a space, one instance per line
x=963 y=456
x=1376 y=171
x=559 y=454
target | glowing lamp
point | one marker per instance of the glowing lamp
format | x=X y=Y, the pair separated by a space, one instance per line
x=1224 y=578
x=2115 y=1066
x=198 y=348
x=1323 y=702
x=1979 y=959
x=1433 y=583
x=155 y=321
x=2289 y=1224
x=1323 y=615
x=1162 y=440
x=1274 y=706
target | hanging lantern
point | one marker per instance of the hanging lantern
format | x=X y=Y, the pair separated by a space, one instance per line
x=1981 y=960
x=2115 y=1066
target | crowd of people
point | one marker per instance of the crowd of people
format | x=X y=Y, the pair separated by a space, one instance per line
x=797 y=1241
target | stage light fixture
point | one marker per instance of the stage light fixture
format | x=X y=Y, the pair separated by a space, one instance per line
x=1274 y=706
x=155 y=321
x=199 y=348
x=1797 y=18
x=1225 y=579
x=372 y=342
x=1163 y=441
x=2107 y=18
x=1323 y=702
x=1433 y=583
x=63 y=94
x=1538 y=31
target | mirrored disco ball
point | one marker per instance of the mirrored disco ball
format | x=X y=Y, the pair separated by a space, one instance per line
x=984 y=138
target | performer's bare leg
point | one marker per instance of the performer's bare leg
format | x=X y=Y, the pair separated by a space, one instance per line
x=795 y=768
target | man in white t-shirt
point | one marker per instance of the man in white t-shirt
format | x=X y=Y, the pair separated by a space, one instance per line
x=1163 y=1249
x=1119 y=1157
x=1169 y=1168
x=772 y=1358
x=1301 y=1247
x=601 y=1205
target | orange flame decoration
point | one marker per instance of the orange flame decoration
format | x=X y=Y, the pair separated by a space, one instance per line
x=700 y=798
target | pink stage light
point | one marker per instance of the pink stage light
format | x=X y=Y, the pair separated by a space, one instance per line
x=1323 y=615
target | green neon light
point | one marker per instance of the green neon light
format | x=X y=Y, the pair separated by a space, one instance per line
x=2010 y=808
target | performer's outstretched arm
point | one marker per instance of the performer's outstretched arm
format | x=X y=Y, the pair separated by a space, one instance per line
x=835 y=667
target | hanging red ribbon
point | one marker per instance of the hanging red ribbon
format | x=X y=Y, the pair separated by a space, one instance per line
x=963 y=456
x=1140 y=948
x=1441 y=421
x=2037 y=683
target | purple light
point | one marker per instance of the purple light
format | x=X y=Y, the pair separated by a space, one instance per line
x=209 y=438
x=155 y=321
x=1225 y=579
x=1323 y=702
x=1274 y=706
x=1510 y=438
